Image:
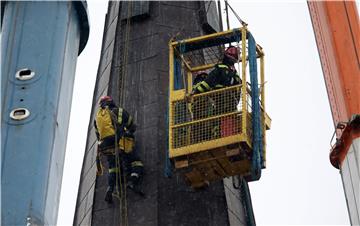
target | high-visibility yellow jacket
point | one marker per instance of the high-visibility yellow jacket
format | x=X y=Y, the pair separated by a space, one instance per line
x=103 y=123
x=110 y=119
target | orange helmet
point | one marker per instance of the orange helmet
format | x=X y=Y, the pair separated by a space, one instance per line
x=232 y=53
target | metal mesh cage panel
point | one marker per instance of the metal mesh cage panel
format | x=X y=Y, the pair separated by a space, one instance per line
x=209 y=116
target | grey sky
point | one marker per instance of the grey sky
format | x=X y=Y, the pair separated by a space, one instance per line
x=299 y=185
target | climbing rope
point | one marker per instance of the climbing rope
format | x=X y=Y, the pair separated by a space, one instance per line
x=120 y=175
x=125 y=52
x=167 y=168
x=118 y=181
x=123 y=200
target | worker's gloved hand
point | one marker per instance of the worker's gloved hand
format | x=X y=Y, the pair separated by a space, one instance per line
x=127 y=133
x=189 y=97
x=133 y=128
x=120 y=131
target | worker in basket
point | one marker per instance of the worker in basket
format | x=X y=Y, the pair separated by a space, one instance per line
x=223 y=75
x=112 y=123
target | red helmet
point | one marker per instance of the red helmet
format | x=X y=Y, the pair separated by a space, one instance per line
x=232 y=53
x=104 y=100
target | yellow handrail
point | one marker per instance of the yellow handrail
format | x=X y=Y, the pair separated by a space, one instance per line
x=243 y=73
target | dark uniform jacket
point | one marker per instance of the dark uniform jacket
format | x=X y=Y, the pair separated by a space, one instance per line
x=222 y=76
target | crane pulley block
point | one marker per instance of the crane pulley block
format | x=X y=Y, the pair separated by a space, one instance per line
x=221 y=132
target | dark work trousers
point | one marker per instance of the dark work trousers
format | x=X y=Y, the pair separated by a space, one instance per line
x=131 y=163
x=112 y=171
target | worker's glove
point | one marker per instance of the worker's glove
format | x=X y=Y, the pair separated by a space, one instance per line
x=132 y=129
x=120 y=131
x=127 y=133
x=189 y=97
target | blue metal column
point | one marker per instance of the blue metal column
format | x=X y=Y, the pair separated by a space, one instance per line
x=39 y=49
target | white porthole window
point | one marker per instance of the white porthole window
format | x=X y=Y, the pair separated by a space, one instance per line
x=19 y=114
x=24 y=74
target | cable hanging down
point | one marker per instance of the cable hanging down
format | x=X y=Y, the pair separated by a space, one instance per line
x=243 y=23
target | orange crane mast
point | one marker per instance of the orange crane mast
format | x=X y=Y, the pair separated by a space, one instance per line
x=337 y=33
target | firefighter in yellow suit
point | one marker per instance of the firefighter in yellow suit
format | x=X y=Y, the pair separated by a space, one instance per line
x=112 y=123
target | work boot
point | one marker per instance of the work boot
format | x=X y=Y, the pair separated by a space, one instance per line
x=108 y=195
x=133 y=182
x=135 y=178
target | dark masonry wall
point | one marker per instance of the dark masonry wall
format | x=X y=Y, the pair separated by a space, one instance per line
x=168 y=201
